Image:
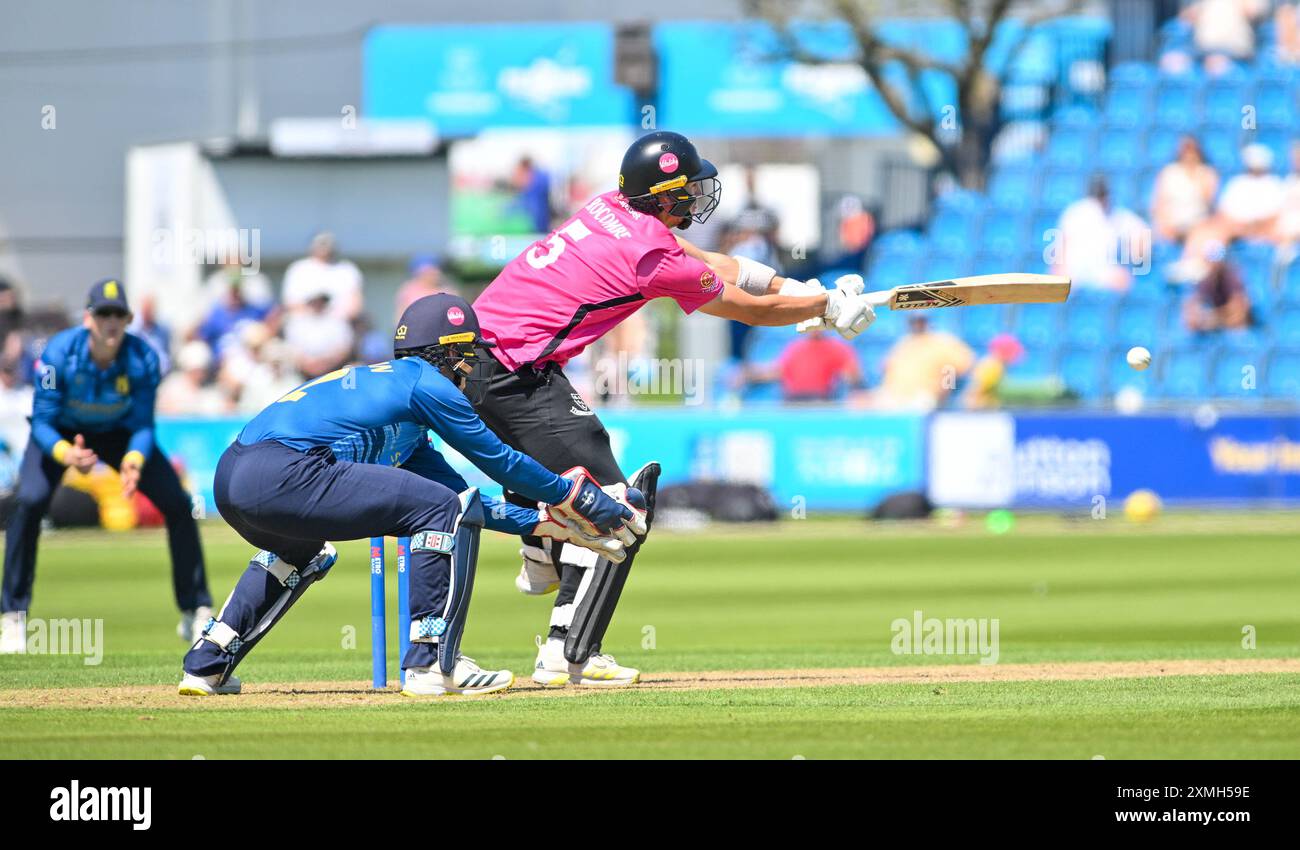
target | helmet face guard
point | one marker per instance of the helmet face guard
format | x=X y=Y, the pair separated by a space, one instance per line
x=693 y=198
x=461 y=359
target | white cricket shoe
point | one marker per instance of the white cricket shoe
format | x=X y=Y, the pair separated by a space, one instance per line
x=468 y=678
x=192 y=624
x=553 y=670
x=13 y=633
x=537 y=576
x=206 y=686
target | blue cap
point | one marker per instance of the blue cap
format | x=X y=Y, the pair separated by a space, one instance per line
x=108 y=292
x=420 y=261
x=439 y=319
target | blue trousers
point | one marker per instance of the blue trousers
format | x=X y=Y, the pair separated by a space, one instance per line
x=40 y=475
x=289 y=503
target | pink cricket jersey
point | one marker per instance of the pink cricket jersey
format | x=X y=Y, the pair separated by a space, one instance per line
x=565 y=291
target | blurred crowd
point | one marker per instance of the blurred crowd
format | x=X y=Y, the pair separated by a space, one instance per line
x=246 y=347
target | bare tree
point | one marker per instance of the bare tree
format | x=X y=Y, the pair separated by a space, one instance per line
x=964 y=139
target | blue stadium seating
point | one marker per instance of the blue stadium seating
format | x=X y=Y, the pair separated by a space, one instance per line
x=954 y=231
x=977 y=327
x=1037 y=362
x=1138 y=322
x=1160 y=146
x=1176 y=104
x=1071 y=148
x=1005 y=234
x=1013 y=187
x=1119 y=149
x=1127 y=106
x=1039 y=325
x=1062 y=187
x=1283 y=377
x=1222 y=147
x=1183 y=373
x=1284 y=326
x=1237 y=372
x=1088 y=322
x=1084 y=372
x=1224 y=99
x=1275 y=105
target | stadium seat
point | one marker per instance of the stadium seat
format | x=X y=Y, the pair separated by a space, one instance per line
x=1283 y=376
x=1222 y=147
x=945 y=266
x=900 y=241
x=1119 y=149
x=1012 y=187
x=961 y=201
x=1138 y=321
x=1183 y=373
x=1176 y=104
x=1284 y=326
x=1127 y=106
x=1088 y=321
x=977 y=327
x=888 y=272
x=1134 y=74
x=1039 y=325
x=1070 y=148
x=1075 y=117
x=1224 y=99
x=1084 y=373
x=1275 y=105
x=1160 y=146
x=1237 y=373
x=1061 y=188
x=1004 y=234
x=953 y=232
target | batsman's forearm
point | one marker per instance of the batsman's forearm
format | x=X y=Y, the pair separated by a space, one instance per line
x=780 y=310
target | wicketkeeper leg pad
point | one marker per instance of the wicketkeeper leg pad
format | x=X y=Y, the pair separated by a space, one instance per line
x=446 y=628
x=269 y=587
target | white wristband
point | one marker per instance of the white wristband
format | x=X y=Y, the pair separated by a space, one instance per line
x=754 y=277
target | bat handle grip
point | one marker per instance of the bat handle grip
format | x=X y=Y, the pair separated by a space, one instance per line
x=881 y=298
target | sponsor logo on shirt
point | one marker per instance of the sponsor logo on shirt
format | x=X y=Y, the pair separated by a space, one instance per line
x=580 y=407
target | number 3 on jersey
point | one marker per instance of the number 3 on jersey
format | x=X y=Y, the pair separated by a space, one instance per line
x=539 y=259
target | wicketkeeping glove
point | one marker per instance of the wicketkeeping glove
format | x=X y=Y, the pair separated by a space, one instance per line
x=566 y=530
x=592 y=511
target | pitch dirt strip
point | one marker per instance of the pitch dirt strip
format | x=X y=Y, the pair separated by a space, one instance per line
x=348 y=694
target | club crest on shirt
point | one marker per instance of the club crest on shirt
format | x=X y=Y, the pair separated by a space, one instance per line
x=707 y=279
x=580 y=407
x=123 y=385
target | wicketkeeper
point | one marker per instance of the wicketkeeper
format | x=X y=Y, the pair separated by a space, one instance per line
x=566 y=291
x=347 y=456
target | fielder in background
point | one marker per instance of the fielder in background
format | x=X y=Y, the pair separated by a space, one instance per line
x=569 y=289
x=94 y=401
x=347 y=456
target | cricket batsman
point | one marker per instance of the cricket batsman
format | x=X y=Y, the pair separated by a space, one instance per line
x=621 y=250
x=95 y=389
x=347 y=456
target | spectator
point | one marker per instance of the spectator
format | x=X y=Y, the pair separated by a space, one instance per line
x=255 y=286
x=752 y=234
x=1099 y=243
x=1219 y=300
x=186 y=391
x=425 y=279
x=321 y=271
x=1224 y=30
x=922 y=368
x=146 y=326
x=258 y=370
x=220 y=329
x=1286 y=21
x=1184 y=192
x=1250 y=203
x=13 y=347
x=321 y=341
x=814 y=367
x=533 y=188
x=1287 y=230
x=986 y=378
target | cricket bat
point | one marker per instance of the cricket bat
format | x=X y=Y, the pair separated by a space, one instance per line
x=971 y=291
x=1012 y=288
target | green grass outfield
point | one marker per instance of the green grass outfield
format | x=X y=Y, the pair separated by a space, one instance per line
x=798 y=595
